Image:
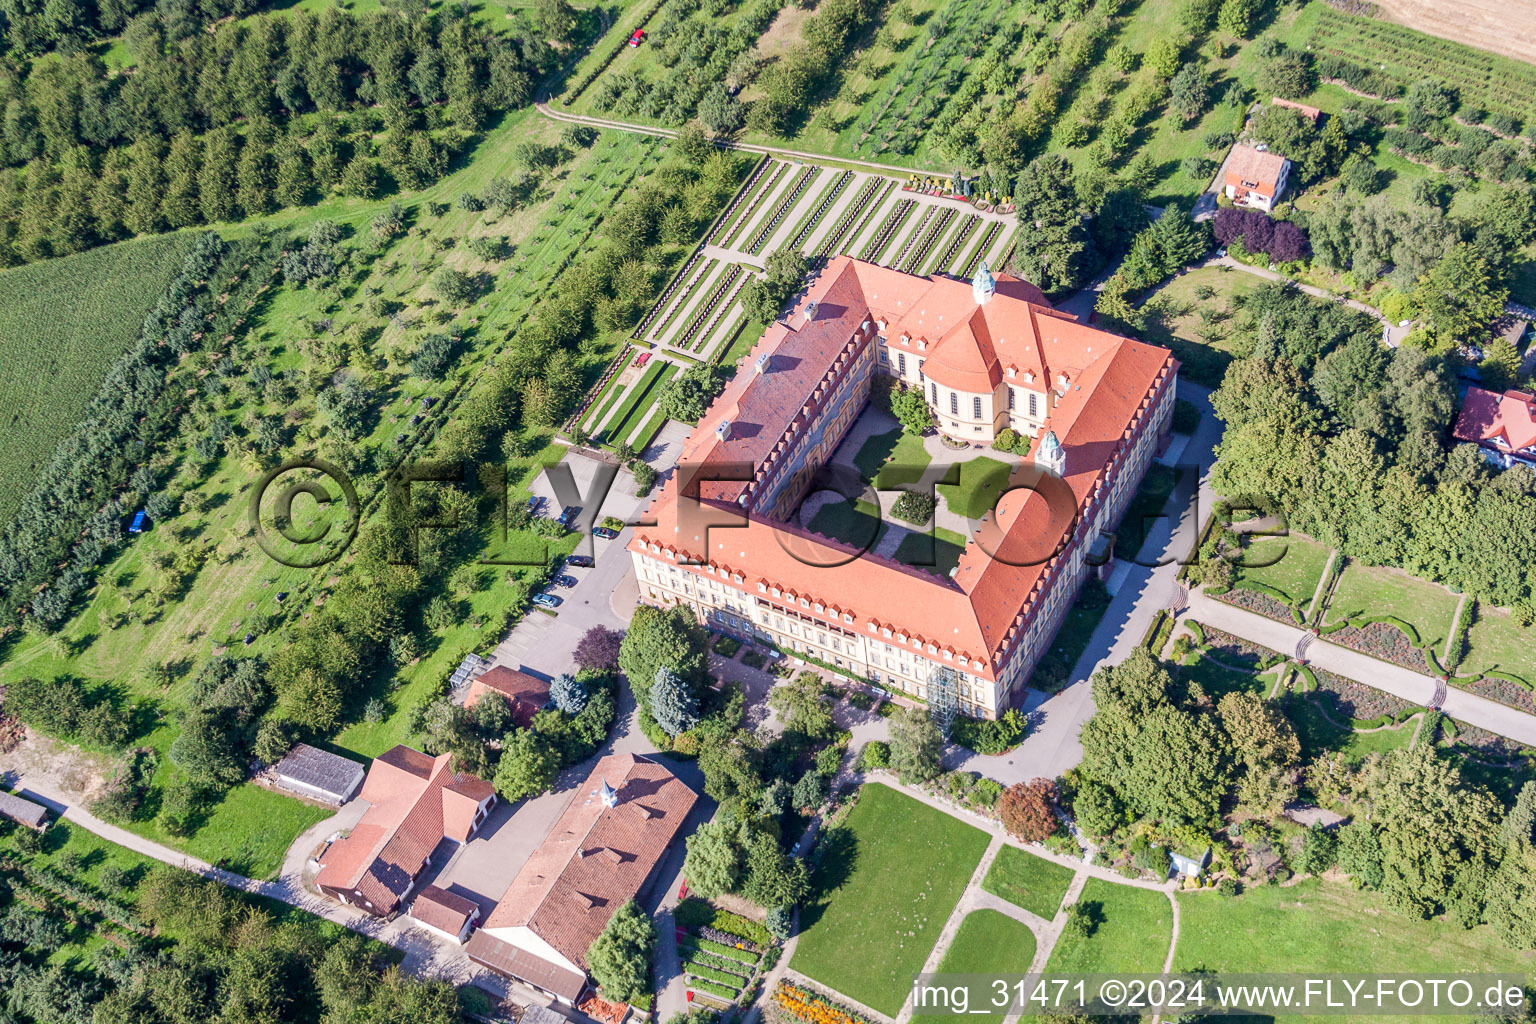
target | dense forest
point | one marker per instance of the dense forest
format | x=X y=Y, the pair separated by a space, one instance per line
x=271 y=111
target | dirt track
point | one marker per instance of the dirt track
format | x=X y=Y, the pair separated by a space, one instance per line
x=1506 y=27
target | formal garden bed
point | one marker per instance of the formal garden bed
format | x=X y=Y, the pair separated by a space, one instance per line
x=798 y=1004
x=723 y=954
x=1244 y=596
x=1365 y=705
x=1230 y=651
x=1388 y=641
x=1505 y=691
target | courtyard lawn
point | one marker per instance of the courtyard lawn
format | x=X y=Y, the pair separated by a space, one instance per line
x=1292 y=565
x=988 y=942
x=889 y=879
x=938 y=554
x=981 y=481
x=892 y=459
x=1327 y=926
x=1033 y=883
x=1370 y=590
x=1498 y=641
x=1135 y=927
x=857 y=523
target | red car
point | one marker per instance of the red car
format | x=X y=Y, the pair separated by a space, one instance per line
x=638 y=37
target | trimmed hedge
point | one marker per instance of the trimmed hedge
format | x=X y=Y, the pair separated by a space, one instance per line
x=1508 y=677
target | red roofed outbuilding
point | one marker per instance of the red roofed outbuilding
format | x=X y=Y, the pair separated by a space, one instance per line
x=415 y=801
x=1503 y=425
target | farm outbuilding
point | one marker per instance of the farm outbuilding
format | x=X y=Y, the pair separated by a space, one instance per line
x=24 y=811
x=318 y=774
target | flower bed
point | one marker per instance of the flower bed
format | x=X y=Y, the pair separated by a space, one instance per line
x=721 y=926
x=1504 y=691
x=1385 y=641
x=1364 y=704
x=792 y=1003
x=1482 y=742
x=1261 y=604
x=1234 y=651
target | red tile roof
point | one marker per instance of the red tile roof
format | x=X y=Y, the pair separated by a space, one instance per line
x=596 y=857
x=1111 y=382
x=516 y=962
x=1310 y=113
x=1488 y=416
x=1251 y=170
x=524 y=693
x=446 y=911
x=415 y=801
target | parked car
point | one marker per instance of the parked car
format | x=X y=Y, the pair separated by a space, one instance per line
x=604 y=532
x=638 y=37
x=579 y=561
x=546 y=600
x=564 y=581
x=137 y=526
x=568 y=515
x=535 y=505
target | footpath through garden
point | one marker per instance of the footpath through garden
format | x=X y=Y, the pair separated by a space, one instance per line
x=1362 y=668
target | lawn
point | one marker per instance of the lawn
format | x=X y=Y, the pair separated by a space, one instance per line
x=938 y=553
x=1033 y=883
x=1498 y=641
x=887 y=882
x=1192 y=315
x=1320 y=732
x=981 y=481
x=63 y=323
x=1135 y=926
x=1327 y=926
x=1372 y=590
x=987 y=942
x=1292 y=565
x=1218 y=680
x=857 y=523
x=892 y=459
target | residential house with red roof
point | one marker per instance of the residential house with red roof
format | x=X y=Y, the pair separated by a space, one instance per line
x=603 y=852
x=527 y=695
x=1255 y=178
x=987 y=355
x=1503 y=425
x=415 y=802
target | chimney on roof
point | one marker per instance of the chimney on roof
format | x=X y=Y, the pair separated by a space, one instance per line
x=762 y=362
x=723 y=432
x=810 y=311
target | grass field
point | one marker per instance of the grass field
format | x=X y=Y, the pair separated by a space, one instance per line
x=1142 y=517
x=1292 y=565
x=1133 y=934
x=1325 y=926
x=892 y=459
x=1498 y=641
x=1192 y=313
x=63 y=323
x=988 y=942
x=1370 y=590
x=887 y=884
x=982 y=479
x=1033 y=883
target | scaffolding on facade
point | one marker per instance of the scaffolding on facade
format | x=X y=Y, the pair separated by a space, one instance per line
x=943 y=698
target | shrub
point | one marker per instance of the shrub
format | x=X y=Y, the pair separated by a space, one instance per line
x=1227 y=887
x=877 y=754
x=1029 y=810
x=915 y=507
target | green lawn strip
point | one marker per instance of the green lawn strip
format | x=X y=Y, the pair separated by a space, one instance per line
x=845 y=245
x=890 y=228
x=1371 y=590
x=755 y=203
x=747 y=334
x=892 y=459
x=636 y=391
x=721 y=319
x=640 y=399
x=1032 y=883
x=931 y=247
x=901 y=252
x=608 y=395
x=1077 y=629
x=1326 y=926
x=959 y=229
x=850 y=216
x=676 y=320
x=977 y=249
x=642 y=438
x=724 y=292
x=803 y=223
x=728 y=226
x=1135 y=928
x=1498 y=642
x=658 y=331
x=1295 y=566
x=988 y=942
x=982 y=479
x=888 y=880
x=1218 y=680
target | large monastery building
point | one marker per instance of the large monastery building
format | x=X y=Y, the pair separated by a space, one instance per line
x=988 y=354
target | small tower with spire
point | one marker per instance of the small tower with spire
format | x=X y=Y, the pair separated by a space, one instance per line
x=1050 y=455
x=983 y=287
x=609 y=794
